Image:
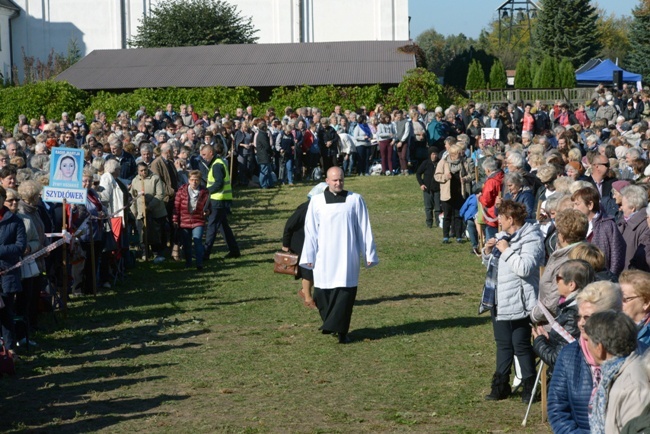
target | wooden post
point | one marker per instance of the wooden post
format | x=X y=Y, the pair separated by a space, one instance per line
x=92 y=255
x=64 y=255
x=544 y=402
x=145 y=239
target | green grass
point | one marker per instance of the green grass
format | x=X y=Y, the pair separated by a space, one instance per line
x=232 y=350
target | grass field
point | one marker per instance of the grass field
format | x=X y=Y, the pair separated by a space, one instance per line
x=232 y=349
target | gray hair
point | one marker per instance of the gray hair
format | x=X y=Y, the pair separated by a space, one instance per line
x=112 y=166
x=514 y=178
x=614 y=330
x=30 y=190
x=603 y=295
x=592 y=138
x=490 y=164
x=634 y=152
x=516 y=159
x=636 y=196
x=98 y=164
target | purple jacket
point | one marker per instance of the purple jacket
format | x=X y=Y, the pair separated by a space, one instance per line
x=637 y=239
x=609 y=239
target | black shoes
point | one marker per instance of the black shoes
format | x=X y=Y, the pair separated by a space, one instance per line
x=527 y=391
x=500 y=387
x=232 y=255
x=344 y=339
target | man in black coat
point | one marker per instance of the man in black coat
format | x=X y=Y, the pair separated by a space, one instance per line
x=430 y=187
x=328 y=141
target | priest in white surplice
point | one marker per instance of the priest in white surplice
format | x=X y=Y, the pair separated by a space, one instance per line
x=337 y=235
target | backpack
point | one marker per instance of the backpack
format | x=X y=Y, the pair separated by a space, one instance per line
x=317 y=173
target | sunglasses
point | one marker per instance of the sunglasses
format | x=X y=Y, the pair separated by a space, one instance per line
x=12 y=200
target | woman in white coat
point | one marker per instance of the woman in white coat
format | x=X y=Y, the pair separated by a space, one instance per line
x=513 y=259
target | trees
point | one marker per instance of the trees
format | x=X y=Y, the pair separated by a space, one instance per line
x=523 y=74
x=566 y=28
x=456 y=72
x=567 y=75
x=547 y=74
x=498 y=79
x=182 y=23
x=638 y=58
x=614 y=34
x=440 y=50
x=475 y=76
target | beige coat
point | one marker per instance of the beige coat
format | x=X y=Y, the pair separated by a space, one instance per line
x=154 y=194
x=442 y=170
x=628 y=395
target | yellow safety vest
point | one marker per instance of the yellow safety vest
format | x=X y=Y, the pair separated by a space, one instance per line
x=226 y=192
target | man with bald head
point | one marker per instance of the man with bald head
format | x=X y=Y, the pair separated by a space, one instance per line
x=337 y=234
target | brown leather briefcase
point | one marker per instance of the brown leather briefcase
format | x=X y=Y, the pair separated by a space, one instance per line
x=285 y=263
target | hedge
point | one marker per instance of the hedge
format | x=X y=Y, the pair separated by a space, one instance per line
x=52 y=98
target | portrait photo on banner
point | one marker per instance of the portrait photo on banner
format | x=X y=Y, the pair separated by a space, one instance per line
x=66 y=168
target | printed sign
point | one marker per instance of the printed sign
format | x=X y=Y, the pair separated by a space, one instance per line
x=490 y=133
x=66 y=170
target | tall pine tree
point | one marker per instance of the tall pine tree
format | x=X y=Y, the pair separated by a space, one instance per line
x=566 y=28
x=498 y=79
x=475 y=76
x=638 y=58
x=547 y=74
x=523 y=74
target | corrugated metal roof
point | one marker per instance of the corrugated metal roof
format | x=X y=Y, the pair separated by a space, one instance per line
x=254 y=65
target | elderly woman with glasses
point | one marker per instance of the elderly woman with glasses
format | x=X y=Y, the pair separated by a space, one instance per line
x=574 y=275
x=635 y=286
x=576 y=374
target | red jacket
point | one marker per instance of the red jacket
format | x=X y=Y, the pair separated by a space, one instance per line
x=182 y=215
x=488 y=197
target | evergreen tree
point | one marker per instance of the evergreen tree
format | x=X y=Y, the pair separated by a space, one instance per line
x=523 y=75
x=475 y=76
x=638 y=58
x=566 y=28
x=547 y=74
x=567 y=77
x=188 y=23
x=498 y=79
x=456 y=72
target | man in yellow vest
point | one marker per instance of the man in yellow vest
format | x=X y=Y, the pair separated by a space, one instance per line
x=220 y=191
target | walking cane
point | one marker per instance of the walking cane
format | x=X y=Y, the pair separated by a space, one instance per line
x=532 y=395
x=145 y=239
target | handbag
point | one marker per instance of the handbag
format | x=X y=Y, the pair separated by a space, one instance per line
x=285 y=263
x=7 y=365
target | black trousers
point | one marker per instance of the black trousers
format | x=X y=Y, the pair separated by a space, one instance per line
x=218 y=222
x=513 y=339
x=335 y=307
x=451 y=209
x=431 y=207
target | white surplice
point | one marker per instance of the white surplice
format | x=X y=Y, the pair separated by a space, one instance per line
x=337 y=237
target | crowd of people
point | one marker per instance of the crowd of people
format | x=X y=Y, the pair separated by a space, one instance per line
x=554 y=201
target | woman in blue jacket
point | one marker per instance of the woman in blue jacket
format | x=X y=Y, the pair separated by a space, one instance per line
x=13 y=241
x=572 y=383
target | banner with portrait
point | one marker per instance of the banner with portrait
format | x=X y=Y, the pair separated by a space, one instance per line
x=66 y=170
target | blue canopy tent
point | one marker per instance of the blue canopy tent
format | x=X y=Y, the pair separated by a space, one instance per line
x=604 y=72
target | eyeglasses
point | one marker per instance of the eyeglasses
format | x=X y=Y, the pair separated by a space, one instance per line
x=629 y=299
x=582 y=317
x=12 y=200
x=601 y=164
x=558 y=278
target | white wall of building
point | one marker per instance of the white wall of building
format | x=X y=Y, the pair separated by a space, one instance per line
x=5 y=49
x=44 y=25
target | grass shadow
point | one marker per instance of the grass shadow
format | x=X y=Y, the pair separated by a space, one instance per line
x=400 y=297
x=414 y=328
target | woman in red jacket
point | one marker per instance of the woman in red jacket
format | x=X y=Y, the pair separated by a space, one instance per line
x=190 y=209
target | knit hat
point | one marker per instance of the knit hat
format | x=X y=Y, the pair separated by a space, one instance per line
x=620 y=185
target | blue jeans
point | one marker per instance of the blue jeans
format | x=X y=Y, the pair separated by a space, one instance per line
x=490 y=232
x=349 y=164
x=473 y=233
x=288 y=171
x=266 y=181
x=193 y=236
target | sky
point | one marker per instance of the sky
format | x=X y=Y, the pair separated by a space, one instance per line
x=470 y=16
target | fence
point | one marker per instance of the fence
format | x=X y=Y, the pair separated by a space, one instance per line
x=548 y=96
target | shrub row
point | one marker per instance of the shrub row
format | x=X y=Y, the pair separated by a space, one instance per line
x=52 y=98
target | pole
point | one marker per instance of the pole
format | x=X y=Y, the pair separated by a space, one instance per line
x=232 y=161
x=64 y=256
x=144 y=228
x=92 y=255
x=532 y=395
